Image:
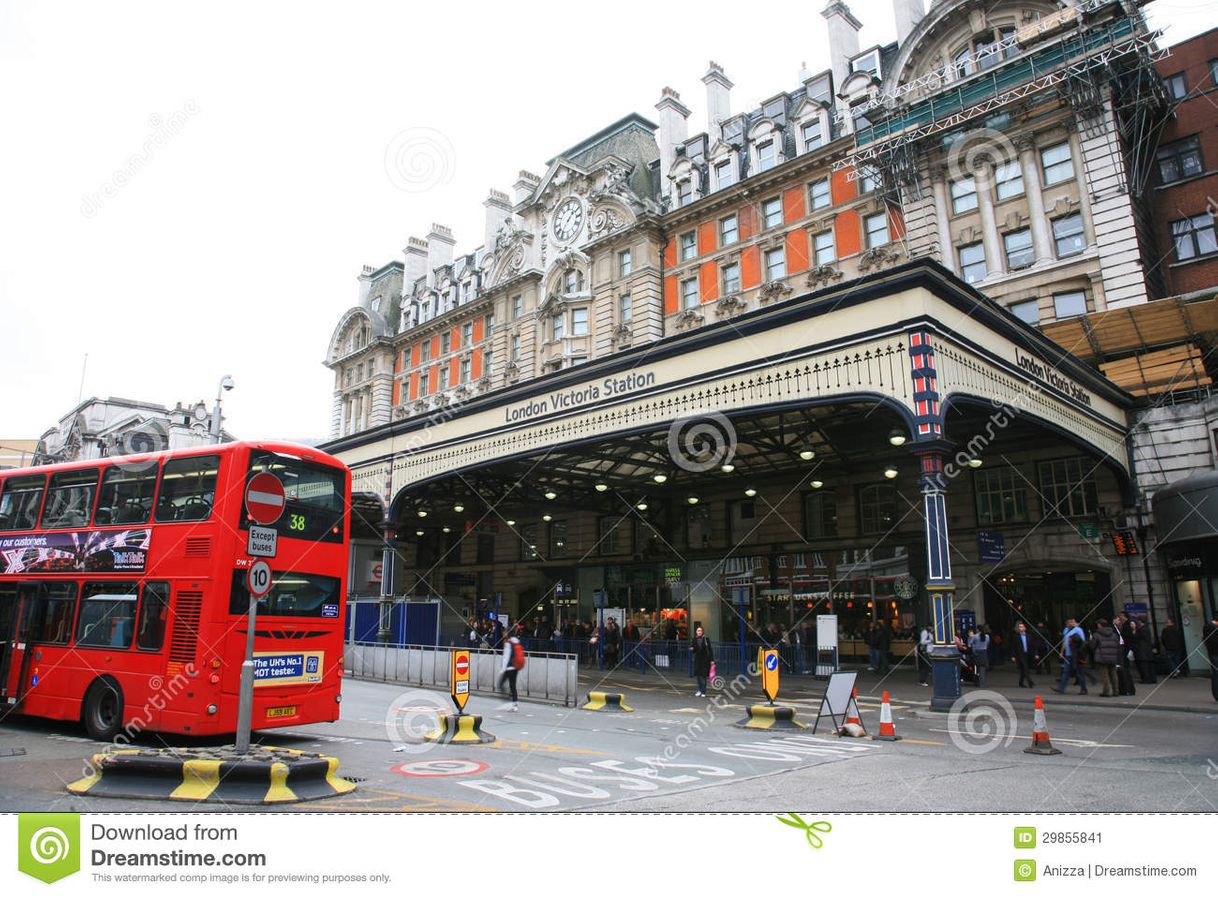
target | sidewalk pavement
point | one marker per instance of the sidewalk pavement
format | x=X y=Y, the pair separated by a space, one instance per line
x=1189 y=694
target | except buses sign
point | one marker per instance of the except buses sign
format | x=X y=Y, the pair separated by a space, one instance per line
x=460 y=679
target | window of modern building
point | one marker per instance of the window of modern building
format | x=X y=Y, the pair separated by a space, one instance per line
x=1214 y=72
x=1194 y=236
x=625 y=308
x=964 y=195
x=625 y=263
x=1055 y=164
x=517 y=307
x=1068 y=235
x=775 y=263
x=767 y=155
x=824 y=247
x=465 y=369
x=689 y=292
x=1067 y=487
x=877 y=508
x=771 y=212
x=1008 y=180
x=685 y=192
x=1070 y=304
x=820 y=515
x=1018 y=246
x=1177 y=86
x=877 y=229
x=579 y=322
x=1180 y=159
x=689 y=245
x=1001 y=494
x=811 y=134
x=1027 y=311
x=558 y=539
x=972 y=263
x=818 y=194
x=729 y=230
x=559 y=326
x=528 y=542
x=731 y=278
x=723 y=174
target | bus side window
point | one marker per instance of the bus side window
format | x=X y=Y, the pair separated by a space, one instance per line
x=107 y=614
x=126 y=494
x=70 y=499
x=19 y=502
x=188 y=488
x=51 y=622
x=153 y=613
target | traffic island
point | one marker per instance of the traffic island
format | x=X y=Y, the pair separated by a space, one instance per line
x=770 y=716
x=607 y=701
x=463 y=729
x=264 y=775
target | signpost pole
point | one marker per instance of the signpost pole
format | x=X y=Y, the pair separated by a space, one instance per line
x=600 y=631
x=245 y=707
x=743 y=666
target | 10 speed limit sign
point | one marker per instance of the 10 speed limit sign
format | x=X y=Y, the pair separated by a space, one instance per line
x=258 y=579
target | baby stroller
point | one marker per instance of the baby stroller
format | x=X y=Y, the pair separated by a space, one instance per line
x=968 y=667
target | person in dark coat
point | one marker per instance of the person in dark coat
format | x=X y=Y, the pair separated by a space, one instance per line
x=1172 y=641
x=1143 y=651
x=883 y=641
x=1209 y=641
x=704 y=656
x=1023 y=651
x=1107 y=656
x=1044 y=648
x=1125 y=669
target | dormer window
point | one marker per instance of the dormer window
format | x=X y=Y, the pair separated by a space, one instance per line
x=573 y=282
x=723 y=174
x=868 y=62
x=685 y=192
x=376 y=304
x=767 y=155
x=811 y=135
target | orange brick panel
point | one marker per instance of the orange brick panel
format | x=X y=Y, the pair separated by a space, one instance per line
x=793 y=205
x=750 y=267
x=797 y=251
x=846 y=233
x=841 y=188
x=706 y=238
x=708 y=282
x=670 y=294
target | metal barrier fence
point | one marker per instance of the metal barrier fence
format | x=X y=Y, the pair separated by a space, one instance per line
x=547 y=676
x=675 y=658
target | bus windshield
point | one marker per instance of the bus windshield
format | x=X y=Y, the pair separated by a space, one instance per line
x=314 y=493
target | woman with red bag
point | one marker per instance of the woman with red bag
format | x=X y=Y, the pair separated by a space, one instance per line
x=704 y=659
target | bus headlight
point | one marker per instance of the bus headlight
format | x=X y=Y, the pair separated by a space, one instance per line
x=212 y=709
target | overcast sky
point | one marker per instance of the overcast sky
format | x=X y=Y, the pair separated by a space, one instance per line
x=191 y=191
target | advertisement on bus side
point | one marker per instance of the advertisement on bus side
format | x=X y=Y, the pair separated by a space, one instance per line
x=91 y=551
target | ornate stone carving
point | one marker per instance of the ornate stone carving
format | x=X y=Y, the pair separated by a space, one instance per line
x=621 y=334
x=605 y=220
x=689 y=317
x=773 y=290
x=878 y=257
x=729 y=305
x=823 y=275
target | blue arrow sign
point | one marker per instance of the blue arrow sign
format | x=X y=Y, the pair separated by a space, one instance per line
x=771 y=662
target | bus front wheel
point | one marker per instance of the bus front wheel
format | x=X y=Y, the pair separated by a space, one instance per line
x=103 y=710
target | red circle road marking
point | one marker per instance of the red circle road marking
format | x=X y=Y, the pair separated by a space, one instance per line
x=436 y=768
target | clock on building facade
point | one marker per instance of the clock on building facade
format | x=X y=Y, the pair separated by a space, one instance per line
x=568 y=219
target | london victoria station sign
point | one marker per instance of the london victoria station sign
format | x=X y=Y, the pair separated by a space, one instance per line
x=573 y=397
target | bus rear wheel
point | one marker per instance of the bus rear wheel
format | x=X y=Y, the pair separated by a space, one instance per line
x=103 y=710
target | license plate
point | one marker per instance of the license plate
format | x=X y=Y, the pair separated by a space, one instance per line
x=280 y=711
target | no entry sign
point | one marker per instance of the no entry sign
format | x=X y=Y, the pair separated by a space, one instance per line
x=460 y=679
x=265 y=499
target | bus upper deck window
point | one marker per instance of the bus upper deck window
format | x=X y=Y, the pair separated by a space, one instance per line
x=188 y=489
x=19 y=502
x=126 y=494
x=70 y=499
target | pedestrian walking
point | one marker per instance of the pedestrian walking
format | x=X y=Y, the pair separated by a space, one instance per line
x=1023 y=652
x=704 y=656
x=979 y=644
x=1209 y=640
x=925 y=641
x=1143 y=652
x=1171 y=640
x=1044 y=649
x=613 y=642
x=513 y=663
x=1107 y=656
x=883 y=641
x=1125 y=670
x=1073 y=639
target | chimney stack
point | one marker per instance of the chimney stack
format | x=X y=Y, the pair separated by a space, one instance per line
x=365 y=285
x=526 y=183
x=416 y=262
x=843 y=40
x=674 y=120
x=498 y=210
x=718 y=100
x=908 y=13
x=440 y=245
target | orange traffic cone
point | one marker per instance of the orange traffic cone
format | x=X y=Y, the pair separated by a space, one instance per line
x=1040 y=733
x=854 y=702
x=888 y=731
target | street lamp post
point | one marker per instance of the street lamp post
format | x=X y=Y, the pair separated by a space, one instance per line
x=226 y=384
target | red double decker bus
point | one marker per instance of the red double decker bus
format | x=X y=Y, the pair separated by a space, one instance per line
x=123 y=595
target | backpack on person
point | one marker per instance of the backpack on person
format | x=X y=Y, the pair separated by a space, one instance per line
x=517 y=656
